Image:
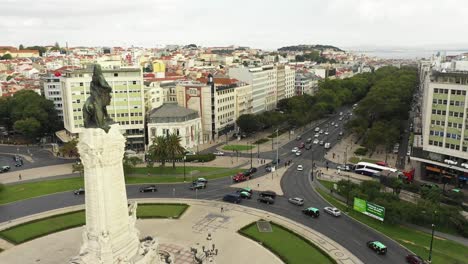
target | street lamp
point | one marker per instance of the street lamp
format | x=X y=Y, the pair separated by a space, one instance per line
x=184 y=166
x=250 y=144
x=432 y=236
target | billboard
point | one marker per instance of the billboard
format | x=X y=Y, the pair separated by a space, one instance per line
x=370 y=209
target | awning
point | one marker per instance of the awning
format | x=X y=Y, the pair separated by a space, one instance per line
x=429 y=168
x=63 y=136
x=463 y=178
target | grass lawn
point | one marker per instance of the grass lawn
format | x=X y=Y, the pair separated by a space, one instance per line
x=238 y=147
x=261 y=141
x=168 y=170
x=443 y=251
x=22 y=191
x=34 y=229
x=42 y=227
x=161 y=210
x=327 y=184
x=290 y=247
x=356 y=160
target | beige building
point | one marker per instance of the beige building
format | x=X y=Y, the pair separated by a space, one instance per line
x=126 y=108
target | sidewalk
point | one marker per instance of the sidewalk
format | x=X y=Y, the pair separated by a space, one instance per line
x=346 y=147
x=202 y=218
x=36 y=173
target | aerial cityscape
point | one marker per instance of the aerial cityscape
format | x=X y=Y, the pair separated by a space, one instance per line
x=207 y=132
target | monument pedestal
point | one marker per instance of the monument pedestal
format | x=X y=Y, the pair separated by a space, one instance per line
x=110 y=235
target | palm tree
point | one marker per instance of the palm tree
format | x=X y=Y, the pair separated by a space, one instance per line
x=158 y=150
x=173 y=147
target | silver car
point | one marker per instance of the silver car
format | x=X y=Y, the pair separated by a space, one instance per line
x=296 y=201
x=332 y=210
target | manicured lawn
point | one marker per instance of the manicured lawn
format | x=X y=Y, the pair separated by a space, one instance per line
x=178 y=178
x=161 y=210
x=290 y=247
x=238 y=147
x=42 y=227
x=327 y=184
x=444 y=251
x=356 y=160
x=23 y=191
x=168 y=170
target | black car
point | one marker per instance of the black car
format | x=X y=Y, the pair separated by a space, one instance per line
x=308 y=146
x=270 y=194
x=253 y=170
x=266 y=199
x=247 y=173
x=18 y=164
x=149 y=188
x=80 y=191
x=268 y=168
x=4 y=168
x=274 y=162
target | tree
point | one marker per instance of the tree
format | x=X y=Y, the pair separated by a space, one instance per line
x=130 y=162
x=434 y=195
x=248 y=123
x=78 y=167
x=6 y=57
x=21 y=47
x=29 y=127
x=158 y=150
x=69 y=149
x=173 y=147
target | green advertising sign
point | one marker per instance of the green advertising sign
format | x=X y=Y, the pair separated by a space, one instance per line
x=370 y=209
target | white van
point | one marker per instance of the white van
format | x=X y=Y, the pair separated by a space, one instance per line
x=327 y=145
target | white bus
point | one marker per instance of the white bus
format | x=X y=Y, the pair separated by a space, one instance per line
x=370 y=169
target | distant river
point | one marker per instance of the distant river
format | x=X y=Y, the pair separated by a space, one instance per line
x=406 y=53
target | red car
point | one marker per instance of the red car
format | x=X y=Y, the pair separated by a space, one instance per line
x=413 y=259
x=302 y=145
x=382 y=163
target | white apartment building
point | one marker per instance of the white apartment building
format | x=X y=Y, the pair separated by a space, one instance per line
x=243 y=100
x=53 y=92
x=157 y=93
x=126 y=108
x=263 y=81
x=306 y=83
x=280 y=82
x=290 y=82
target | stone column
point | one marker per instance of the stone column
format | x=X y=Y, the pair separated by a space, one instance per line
x=110 y=235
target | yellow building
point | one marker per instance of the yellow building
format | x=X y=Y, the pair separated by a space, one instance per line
x=159 y=66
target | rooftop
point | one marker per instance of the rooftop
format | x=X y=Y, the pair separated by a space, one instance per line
x=171 y=113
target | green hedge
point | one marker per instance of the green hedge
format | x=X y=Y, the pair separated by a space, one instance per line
x=284 y=258
x=198 y=157
x=261 y=141
x=361 y=151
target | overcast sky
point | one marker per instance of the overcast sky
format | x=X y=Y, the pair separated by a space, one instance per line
x=267 y=24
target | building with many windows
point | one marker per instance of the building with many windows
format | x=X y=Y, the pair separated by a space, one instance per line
x=53 y=92
x=126 y=108
x=264 y=85
x=443 y=154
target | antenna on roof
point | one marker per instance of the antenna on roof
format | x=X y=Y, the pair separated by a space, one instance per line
x=66 y=52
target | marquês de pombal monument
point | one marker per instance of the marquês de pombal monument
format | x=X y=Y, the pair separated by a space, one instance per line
x=110 y=235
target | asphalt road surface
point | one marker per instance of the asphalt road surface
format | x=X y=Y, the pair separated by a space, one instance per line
x=344 y=230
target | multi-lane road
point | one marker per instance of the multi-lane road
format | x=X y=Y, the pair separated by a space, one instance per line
x=344 y=230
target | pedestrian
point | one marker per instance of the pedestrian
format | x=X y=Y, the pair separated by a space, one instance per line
x=148 y=174
x=19 y=176
x=222 y=209
x=258 y=185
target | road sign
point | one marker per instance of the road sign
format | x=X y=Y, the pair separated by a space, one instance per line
x=370 y=209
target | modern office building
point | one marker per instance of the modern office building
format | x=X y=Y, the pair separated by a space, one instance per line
x=126 y=108
x=443 y=154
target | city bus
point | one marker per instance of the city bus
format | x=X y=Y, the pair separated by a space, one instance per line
x=370 y=169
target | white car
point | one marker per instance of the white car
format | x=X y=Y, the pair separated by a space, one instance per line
x=219 y=153
x=316 y=141
x=321 y=143
x=321 y=131
x=295 y=149
x=332 y=210
x=298 y=153
x=299 y=167
x=296 y=201
x=336 y=125
x=326 y=132
x=327 y=145
x=316 y=135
